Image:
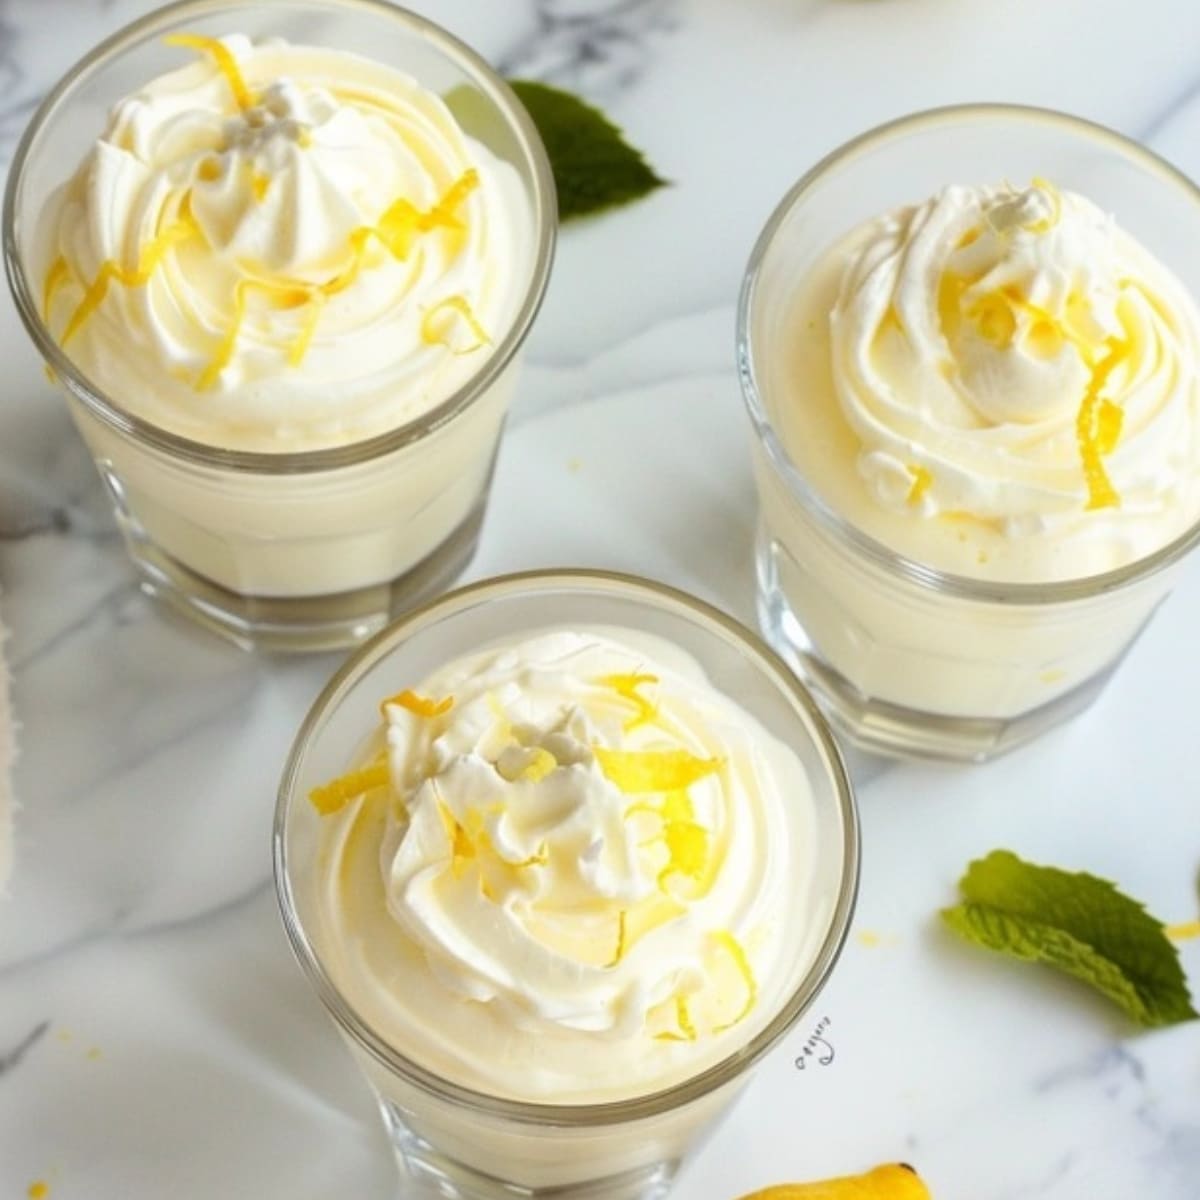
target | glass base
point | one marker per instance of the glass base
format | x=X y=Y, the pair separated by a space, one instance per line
x=303 y=623
x=436 y=1174
x=882 y=727
x=433 y=1173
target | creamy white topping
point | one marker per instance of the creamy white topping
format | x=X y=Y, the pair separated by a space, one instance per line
x=282 y=247
x=583 y=878
x=1012 y=357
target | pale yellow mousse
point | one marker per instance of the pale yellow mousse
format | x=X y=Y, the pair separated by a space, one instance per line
x=567 y=869
x=997 y=382
x=282 y=247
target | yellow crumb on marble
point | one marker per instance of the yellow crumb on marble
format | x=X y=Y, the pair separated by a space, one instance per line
x=94 y=1053
x=38 y=1190
x=64 y=1035
x=872 y=939
x=574 y=465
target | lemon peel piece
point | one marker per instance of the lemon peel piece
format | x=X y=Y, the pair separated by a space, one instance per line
x=644 y=917
x=58 y=274
x=922 y=481
x=535 y=764
x=149 y=257
x=727 y=942
x=1045 y=224
x=622 y=938
x=539 y=766
x=688 y=851
x=893 y=1181
x=462 y=846
x=1183 y=932
x=1096 y=433
x=335 y=795
x=223 y=60
x=626 y=686
x=299 y=347
x=638 y=771
x=224 y=355
x=421 y=706
x=436 y=332
x=683 y=1017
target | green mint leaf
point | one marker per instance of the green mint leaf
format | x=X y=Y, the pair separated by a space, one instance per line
x=594 y=166
x=1079 y=924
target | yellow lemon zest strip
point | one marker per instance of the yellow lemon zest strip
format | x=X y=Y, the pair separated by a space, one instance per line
x=398 y=227
x=540 y=859
x=1047 y=223
x=149 y=257
x=300 y=346
x=1183 y=932
x=626 y=686
x=1099 y=420
x=224 y=355
x=1110 y=418
x=635 y=771
x=259 y=185
x=58 y=274
x=1094 y=432
x=619 y=953
x=540 y=764
x=687 y=1030
x=685 y=1018
x=922 y=480
x=456 y=304
x=223 y=60
x=462 y=848
x=734 y=949
x=687 y=850
x=422 y=706
x=336 y=794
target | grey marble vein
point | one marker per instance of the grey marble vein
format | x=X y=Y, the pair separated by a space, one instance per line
x=11 y=1059
x=1165 y=115
x=15 y=102
x=596 y=47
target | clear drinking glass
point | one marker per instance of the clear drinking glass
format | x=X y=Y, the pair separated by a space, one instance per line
x=318 y=548
x=908 y=659
x=478 y=1146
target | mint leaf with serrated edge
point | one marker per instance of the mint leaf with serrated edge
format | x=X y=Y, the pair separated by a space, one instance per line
x=1078 y=923
x=594 y=166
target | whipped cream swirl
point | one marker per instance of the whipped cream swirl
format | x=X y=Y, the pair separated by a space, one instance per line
x=282 y=247
x=585 y=855
x=1012 y=356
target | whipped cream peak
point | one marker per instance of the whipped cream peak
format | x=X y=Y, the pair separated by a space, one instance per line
x=585 y=840
x=271 y=207
x=1009 y=355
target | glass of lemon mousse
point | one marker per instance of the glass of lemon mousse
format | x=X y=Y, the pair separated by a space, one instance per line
x=974 y=382
x=564 y=854
x=282 y=258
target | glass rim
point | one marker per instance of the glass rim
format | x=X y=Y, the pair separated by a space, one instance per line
x=831 y=522
x=263 y=462
x=532 y=1113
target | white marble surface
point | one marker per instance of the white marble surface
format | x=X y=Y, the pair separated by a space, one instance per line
x=155 y=1036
